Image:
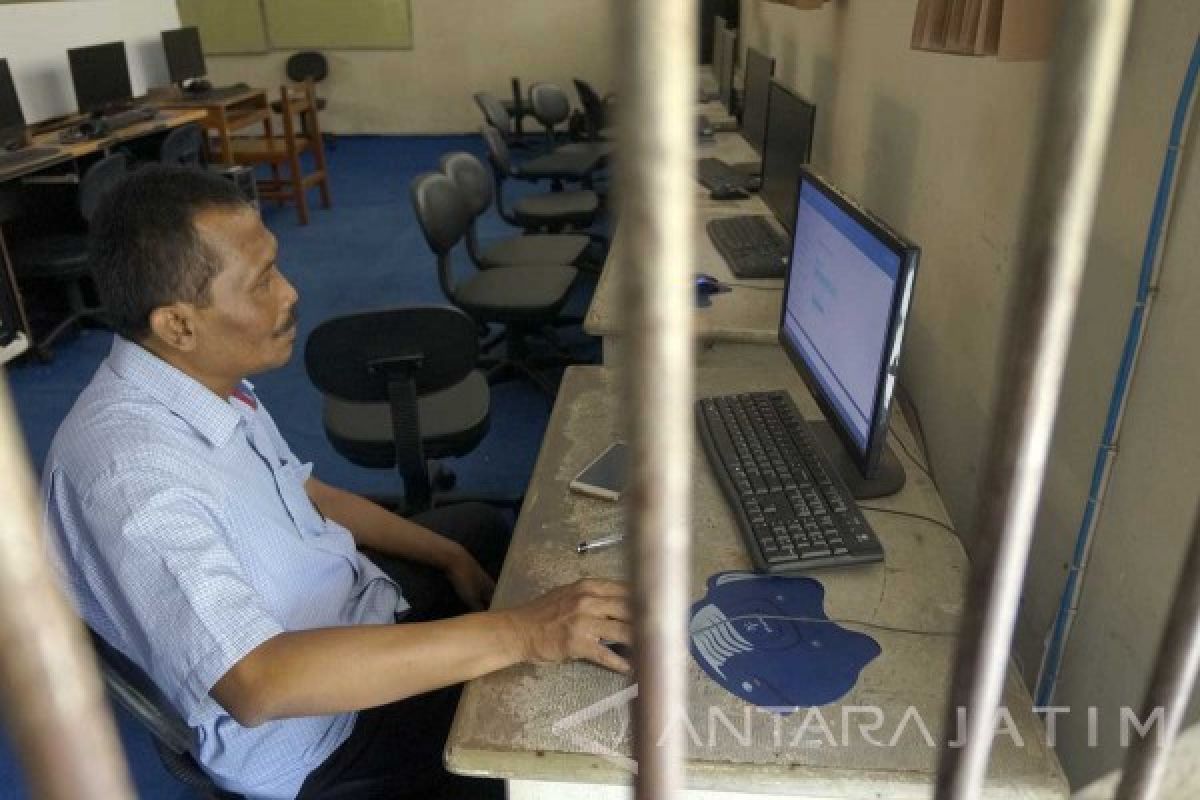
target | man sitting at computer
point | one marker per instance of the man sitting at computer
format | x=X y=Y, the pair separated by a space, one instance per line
x=197 y=543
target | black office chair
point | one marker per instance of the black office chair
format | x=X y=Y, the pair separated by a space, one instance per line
x=552 y=108
x=134 y=691
x=183 y=147
x=63 y=257
x=564 y=165
x=401 y=388
x=597 y=111
x=537 y=249
x=526 y=300
x=551 y=211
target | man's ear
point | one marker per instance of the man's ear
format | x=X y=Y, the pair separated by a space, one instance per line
x=174 y=326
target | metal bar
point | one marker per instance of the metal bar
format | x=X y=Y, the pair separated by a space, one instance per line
x=1171 y=683
x=657 y=88
x=1078 y=106
x=53 y=700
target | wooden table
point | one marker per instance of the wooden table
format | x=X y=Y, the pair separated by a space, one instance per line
x=525 y=724
x=223 y=116
x=739 y=326
x=47 y=171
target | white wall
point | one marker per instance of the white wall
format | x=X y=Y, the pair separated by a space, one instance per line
x=459 y=47
x=35 y=37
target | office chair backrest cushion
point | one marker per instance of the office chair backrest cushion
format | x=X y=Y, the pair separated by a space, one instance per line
x=550 y=104
x=494 y=112
x=338 y=353
x=307 y=64
x=472 y=179
x=497 y=150
x=183 y=147
x=98 y=180
x=441 y=211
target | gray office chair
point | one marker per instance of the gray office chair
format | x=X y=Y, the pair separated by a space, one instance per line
x=401 y=389
x=552 y=108
x=183 y=147
x=526 y=300
x=134 y=691
x=564 y=165
x=597 y=111
x=63 y=257
x=517 y=108
x=551 y=211
x=537 y=249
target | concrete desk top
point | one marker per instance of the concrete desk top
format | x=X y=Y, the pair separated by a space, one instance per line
x=539 y=726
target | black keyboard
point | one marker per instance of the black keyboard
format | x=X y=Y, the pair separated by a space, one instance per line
x=127 y=119
x=792 y=508
x=713 y=172
x=15 y=159
x=749 y=245
x=218 y=93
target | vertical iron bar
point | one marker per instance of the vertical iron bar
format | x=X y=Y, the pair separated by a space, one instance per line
x=1077 y=112
x=1171 y=683
x=657 y=88
x=52 y=697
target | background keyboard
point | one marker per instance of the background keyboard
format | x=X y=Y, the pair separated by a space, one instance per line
x=750 y=245
x=713 y=172
x=127 y=119
x=792 y=508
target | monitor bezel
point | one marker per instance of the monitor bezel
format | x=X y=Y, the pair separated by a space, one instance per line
x=171 y=73
x=16 y=132
x=728 y=70
x=761 y=146
x=788 y=219
x=75 y=70
x=865 y=459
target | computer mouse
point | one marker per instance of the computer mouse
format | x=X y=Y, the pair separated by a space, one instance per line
x=707 y=284
x=727 y=191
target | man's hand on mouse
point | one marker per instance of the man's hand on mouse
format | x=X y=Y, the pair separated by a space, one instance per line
x=571 y=621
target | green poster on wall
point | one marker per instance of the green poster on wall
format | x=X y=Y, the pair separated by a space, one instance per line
x=344 y=25
x=227 y=26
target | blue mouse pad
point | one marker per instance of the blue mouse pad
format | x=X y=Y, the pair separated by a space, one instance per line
x=759 y=638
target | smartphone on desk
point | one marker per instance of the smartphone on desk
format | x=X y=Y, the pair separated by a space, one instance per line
x=606 y=476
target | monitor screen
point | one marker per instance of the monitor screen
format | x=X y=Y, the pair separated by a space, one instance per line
x=759 y=69
x=101 y=76
x=846 y=300
x=788 y=148
x=185 y=56
x=728 y=58
x=12 y=121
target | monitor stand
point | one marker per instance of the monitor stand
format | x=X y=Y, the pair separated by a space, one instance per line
x=887 y=479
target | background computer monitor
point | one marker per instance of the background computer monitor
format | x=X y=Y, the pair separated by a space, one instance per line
x=755 y=97
x=100 y=74
x=185 y=55
x=788 y=148
x=846 y=301
x=12 y=121
x=728 y=59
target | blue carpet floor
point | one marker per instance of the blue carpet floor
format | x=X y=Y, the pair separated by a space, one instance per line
x=365 y=252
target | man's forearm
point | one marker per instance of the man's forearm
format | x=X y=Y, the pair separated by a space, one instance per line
x=379 y=529
x=336 y=670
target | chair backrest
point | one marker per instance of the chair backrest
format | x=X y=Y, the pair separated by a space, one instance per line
x=305 y=65
x=441 y=211
x=98 y=180
x=494 y=112
x=298 y=107
x=550 y=104
x=183 y=147
x=497 y=151
x=472 y=179
x=593 y=107
x=339 y=351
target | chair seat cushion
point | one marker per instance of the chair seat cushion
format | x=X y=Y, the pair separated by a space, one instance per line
x=453 y=421
x=59 y=256
x=566 y=163
x=534 y=250
x=553 y=205
x=516 y=294
x=600 y=150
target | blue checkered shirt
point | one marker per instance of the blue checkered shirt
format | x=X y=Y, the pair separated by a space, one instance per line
x=185 y=536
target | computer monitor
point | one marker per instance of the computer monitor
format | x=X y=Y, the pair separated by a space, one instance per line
x=788 y=147
x=755 y=97
x=185 y=55
x=100 y=74
x=846 y=301
x=12 y=121
x=728 y=58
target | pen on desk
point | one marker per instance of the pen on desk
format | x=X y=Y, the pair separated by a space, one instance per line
x=597 y=544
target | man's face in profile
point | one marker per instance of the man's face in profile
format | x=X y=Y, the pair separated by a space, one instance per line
x=249 y=325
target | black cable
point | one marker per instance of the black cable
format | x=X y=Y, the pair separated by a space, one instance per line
x=918 y=462
x=937 y=522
